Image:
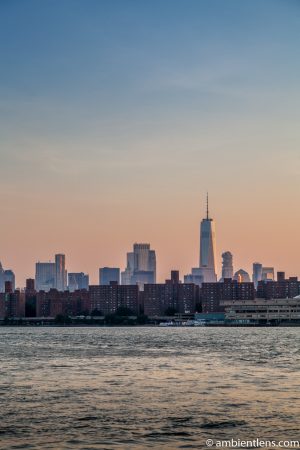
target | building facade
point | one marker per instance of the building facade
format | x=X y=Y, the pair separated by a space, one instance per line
x=208 y=249
x=45 y=276
x=159 y=299
x=10 y=276
x=268 y=273
x=108 y=275
x=60 y=272
x=6 y=275
x=268 y=289
x=12 y=304
x=141 y=266
x=54 y=302
x=207 y=270
x=241 y=276
x=108 y=299
x=227 y=265
x=213 y=293
x=195 y=277
x=51 y=275
x=262 y=311
x=257 y=273
x=77 y=281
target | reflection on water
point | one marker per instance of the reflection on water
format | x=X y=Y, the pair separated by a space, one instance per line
x=139 y=388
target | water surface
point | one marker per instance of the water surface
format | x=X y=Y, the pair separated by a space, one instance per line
x=140 y=388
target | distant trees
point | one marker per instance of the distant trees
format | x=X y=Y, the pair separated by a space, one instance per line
x=124 y=311
x=142 y=319
x=114 y=319
x=60 y=319
x=199 y=307
x=171 y=311
x=125 y=316
x=95 y=312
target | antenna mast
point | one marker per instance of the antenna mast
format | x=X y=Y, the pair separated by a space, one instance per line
x=207 y=213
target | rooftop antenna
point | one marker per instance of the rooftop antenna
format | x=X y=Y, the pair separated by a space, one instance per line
x=207 y=214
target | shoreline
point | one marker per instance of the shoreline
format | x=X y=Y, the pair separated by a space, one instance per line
x=225 y=325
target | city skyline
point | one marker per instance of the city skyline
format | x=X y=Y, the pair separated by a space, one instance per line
x=149 y=223
x=116 y=118
x=141 y=266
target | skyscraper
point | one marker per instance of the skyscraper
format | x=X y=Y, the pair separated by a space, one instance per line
x=2 y=283
x=10 y=276
x=280 y=276
x=128 y=272
x=241 y=276
x=44 y=276
x=60 y=272
x=109 y=274
x=195 y=277
x=6 y=275
x=208 y=248
x=257 y=273
x=141 y=266
x=268 y=273
x=227 y=266
x=77 y=280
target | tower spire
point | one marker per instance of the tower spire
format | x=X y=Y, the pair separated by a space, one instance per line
x=207 y=213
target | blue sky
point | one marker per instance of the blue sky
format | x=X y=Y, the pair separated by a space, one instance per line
x=128 y=60
x=122 y=104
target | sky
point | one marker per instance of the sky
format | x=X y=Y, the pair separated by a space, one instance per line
x=117 y=116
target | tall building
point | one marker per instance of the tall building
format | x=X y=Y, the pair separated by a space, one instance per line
x=78 y=281
x=12 y=304
x=208 y=248
x=283 y=288
x=128 y=272
x=195 y=277
x=45 y=276
x=141 y=266
x=268 y=273
x=241 y=276
x=174 y=277
x=213 y=293
x=206 y=272
x=60 y=272
x=54 y=302
x=108 y=299
x=280 y=276
x=257 y=273
x=108 y=274
x=10 y=276
x=227 y=265
x=30 y=285
x=51 y=275
x=144 y=259
x=30 y=298
x=2 y=283
x=6 y=275
x=160 y=299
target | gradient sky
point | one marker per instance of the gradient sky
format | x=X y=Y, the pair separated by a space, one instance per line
x=116 y=117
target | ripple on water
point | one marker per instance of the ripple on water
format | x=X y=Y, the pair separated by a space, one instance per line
x=138 y=388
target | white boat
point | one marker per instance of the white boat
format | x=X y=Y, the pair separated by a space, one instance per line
x=166 y=324
x=200 y=323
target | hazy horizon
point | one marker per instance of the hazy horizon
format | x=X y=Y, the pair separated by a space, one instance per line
x=118 y=117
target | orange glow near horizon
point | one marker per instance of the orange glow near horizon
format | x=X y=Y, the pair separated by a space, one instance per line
x=97 y=235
